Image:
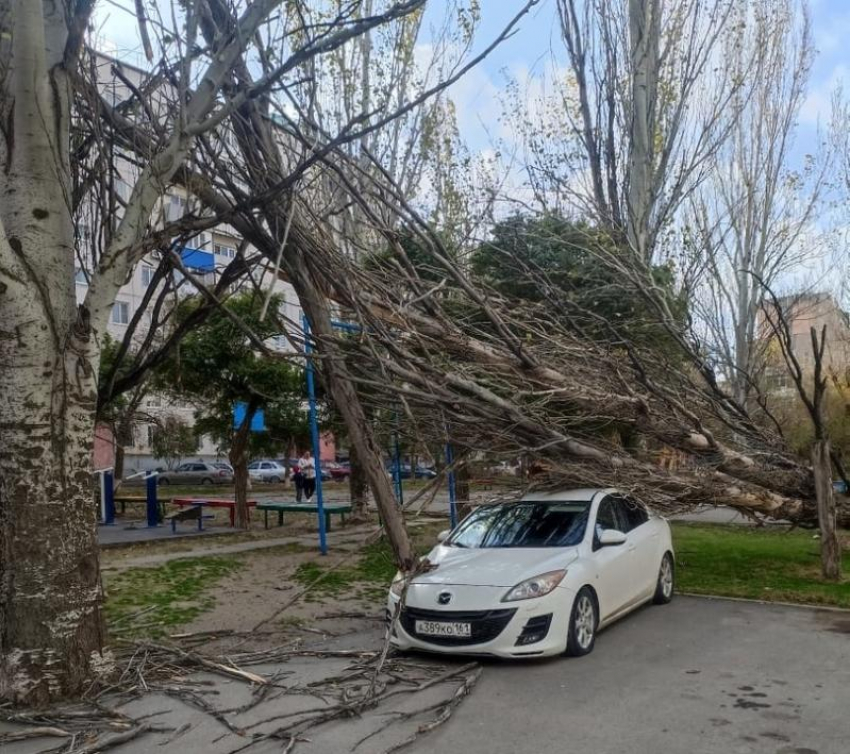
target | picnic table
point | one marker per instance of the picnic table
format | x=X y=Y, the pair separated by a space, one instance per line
x=212 y=502
x=330 y=509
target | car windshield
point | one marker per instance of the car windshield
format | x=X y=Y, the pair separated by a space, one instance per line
x=525 y=524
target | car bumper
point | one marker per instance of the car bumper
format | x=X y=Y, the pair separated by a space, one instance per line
x=507 y=643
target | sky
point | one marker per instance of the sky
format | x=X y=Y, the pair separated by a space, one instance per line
x=530 y=48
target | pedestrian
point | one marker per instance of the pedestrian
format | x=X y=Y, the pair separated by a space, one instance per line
x=308 y=469
x=298 y=481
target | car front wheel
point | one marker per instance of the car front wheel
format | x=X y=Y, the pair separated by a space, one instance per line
x=206 y=480
x=583 y=622
x=666 y=579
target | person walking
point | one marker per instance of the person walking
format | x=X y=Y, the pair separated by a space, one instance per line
x=308 y=469
x=298 y=481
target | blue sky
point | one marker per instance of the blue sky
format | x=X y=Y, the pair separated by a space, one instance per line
x=538 y=36
x=477 y=94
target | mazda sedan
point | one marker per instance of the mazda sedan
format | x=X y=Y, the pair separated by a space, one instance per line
x=535 y=577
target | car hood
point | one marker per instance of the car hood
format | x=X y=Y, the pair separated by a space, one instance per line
x=493 y=566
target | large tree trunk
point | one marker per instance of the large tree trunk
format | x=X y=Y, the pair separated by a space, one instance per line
x=830 y=547
x=239 y=460
x=51 y=631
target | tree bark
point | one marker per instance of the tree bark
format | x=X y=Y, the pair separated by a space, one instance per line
x=464 y=507
x=358 y=485
x=239 y=460
x=51 y=630
x=830 y=546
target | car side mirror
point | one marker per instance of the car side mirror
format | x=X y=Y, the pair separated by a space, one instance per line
x=611 y=538
x=443 y=535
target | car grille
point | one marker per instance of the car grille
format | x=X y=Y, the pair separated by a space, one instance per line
x=486 y=625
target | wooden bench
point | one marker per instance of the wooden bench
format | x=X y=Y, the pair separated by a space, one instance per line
x=212 y=502
x=195 y=513
x=122 y=500
x=330 y=509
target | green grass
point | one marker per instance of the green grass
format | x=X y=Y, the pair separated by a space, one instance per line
x=151 y=602
x=766 y=564
x=366 y=578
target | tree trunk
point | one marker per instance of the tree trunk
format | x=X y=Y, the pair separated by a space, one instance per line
x=464 y=507
x=830 y=547
x=358 y=485
x=51 y=630
x=239 y=461
x=347 y=401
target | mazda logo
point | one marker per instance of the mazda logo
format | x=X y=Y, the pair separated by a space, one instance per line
x=443 y=598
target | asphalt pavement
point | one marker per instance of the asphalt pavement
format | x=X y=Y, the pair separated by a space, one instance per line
x=698 y=676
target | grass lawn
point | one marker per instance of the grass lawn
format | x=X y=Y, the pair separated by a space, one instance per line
x=150 y=602
x=758 y=563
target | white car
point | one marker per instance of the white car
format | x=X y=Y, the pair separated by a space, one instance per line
x=266 y=471
x=535 y=577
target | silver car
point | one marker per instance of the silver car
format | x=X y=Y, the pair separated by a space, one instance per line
x=198 y=472
x=266 y=471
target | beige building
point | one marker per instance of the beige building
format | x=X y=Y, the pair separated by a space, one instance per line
x=804 y=312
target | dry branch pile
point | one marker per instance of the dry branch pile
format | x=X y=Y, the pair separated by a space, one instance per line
x=362 y=680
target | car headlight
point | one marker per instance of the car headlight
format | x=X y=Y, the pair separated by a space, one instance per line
x=535 y=587
x=397 y=587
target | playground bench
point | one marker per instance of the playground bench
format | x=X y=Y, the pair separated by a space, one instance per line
x=330 y=509
x=195 y=513
x=212 y=502
x=122 y=500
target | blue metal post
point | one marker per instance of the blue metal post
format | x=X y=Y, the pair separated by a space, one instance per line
x=108 y=490
x=152 y=504
x=450 y=457
x=397 y=481
x=314 y=433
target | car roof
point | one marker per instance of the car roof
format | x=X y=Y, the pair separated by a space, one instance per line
x=585 y=494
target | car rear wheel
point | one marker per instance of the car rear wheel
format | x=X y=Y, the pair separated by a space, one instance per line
x=666 y=581
x=583 y=622
x=163 y=481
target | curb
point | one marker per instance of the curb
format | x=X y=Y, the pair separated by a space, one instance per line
x=753 y=601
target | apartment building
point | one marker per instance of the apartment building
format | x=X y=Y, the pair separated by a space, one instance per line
x=206 y=256
x=803 y=312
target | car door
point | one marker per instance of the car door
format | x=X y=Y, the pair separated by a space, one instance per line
x=182 y=473
x=644 y=545
x=613 y=563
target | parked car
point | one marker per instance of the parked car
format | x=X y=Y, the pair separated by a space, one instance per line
x=339 y=471
x=198 y=472
x=536 y=577
x=267 y=471
x=422 y=472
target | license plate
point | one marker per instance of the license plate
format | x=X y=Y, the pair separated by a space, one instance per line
x=439 y=628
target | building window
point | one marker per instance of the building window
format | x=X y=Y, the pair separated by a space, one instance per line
x=225 y=251
x=151 y=430
x=147 y=275
x=121 y=313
